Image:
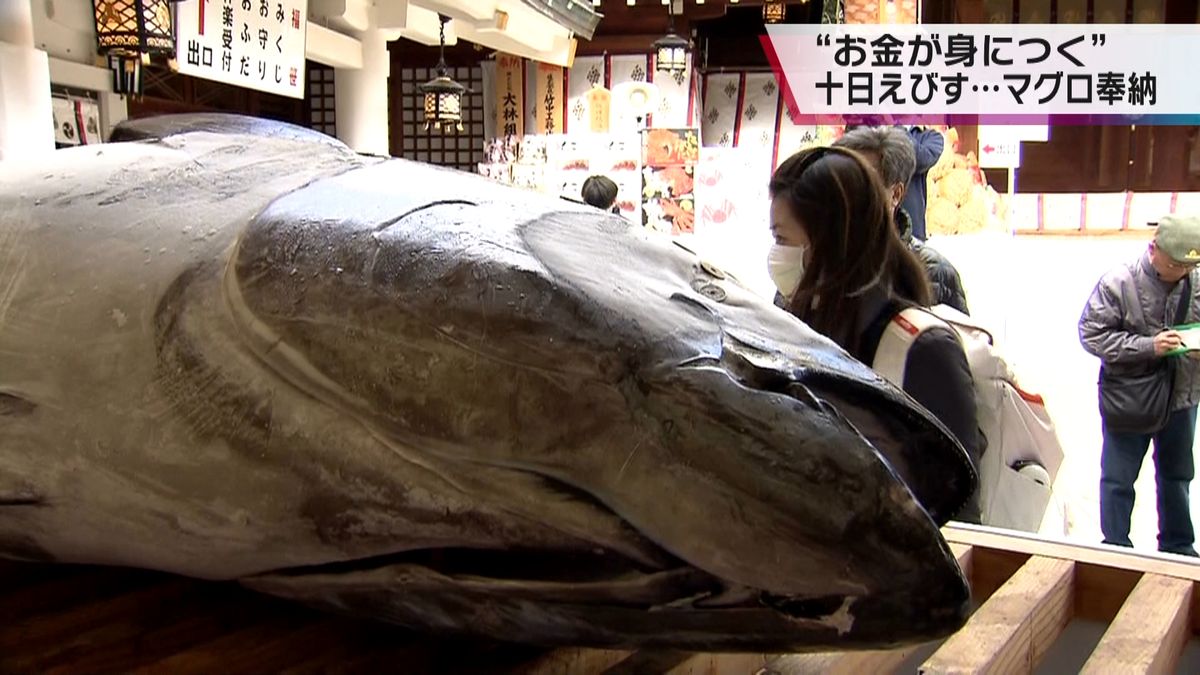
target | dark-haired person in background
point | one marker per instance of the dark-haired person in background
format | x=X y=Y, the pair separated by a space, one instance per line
x=600 y=192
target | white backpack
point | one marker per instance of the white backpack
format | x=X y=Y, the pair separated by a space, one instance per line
x=1023 y=453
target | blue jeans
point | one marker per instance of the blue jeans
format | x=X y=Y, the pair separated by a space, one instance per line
x=1120 y=462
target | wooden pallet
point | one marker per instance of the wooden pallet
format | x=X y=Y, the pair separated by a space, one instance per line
x=67 y=619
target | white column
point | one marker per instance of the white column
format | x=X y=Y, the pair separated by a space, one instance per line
x=26 y=118
x=361 y=103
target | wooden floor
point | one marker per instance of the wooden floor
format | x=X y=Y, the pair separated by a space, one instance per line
x=68 y=619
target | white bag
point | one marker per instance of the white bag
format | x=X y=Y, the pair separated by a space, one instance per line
x=1023 y=453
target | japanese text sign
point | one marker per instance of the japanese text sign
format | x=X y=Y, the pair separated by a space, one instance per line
x=510 y=95
x=989 y=73
x=550 y=97
x=257 y=44
x=599 y=106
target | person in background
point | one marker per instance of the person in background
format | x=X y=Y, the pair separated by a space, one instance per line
x=600 y=192
x=1127 y=323
x=891 y=152
x=928 y=145
x=841 y=268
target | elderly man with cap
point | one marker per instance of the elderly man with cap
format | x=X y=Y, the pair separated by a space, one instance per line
x=1128 y=322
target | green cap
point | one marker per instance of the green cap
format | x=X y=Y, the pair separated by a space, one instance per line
x=1179 y=237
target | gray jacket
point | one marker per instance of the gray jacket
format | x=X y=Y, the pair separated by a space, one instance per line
x=1129 y=305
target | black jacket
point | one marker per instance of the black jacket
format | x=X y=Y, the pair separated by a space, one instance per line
x=943 y=276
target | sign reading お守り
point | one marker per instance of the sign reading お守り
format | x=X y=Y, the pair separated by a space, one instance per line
x=258 y=44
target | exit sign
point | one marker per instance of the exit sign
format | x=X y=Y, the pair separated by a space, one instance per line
x=1000 y=146
x=998 y=149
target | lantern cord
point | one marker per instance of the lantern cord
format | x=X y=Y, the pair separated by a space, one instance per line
x=442 y=43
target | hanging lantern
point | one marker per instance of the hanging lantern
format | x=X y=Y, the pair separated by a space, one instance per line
x=671 y=50
x=443 y=96
x=774 y=12
x=671 y=53
x=129 y=32
x=443 y=103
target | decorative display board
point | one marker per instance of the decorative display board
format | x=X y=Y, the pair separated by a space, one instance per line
x=257 y=44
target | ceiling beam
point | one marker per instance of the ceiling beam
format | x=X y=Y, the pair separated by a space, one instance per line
x=332 y=48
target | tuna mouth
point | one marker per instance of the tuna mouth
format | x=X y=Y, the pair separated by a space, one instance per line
x=598 y=577
x=593 y=599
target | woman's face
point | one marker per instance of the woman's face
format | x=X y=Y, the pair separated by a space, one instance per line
x=785 y=226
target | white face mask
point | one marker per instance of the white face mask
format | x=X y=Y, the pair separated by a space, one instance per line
x=785 y=264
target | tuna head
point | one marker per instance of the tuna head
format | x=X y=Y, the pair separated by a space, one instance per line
x=616 y=444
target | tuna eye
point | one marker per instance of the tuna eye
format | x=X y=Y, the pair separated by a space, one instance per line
x=712 y=269
x=713 y=292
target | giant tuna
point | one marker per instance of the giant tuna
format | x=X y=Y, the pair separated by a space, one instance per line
x=234 y=349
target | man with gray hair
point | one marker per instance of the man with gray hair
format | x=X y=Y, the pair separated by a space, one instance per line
x=1148 y=391
x=890 y=151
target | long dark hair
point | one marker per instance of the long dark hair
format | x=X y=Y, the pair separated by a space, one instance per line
x=837 y=197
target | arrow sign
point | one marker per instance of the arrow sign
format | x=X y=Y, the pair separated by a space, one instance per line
x=999 y=148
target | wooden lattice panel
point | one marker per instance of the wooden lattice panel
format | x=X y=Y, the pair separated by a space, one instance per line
x=322 y=109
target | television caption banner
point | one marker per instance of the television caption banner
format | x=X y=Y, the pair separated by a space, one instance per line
x=988 y=73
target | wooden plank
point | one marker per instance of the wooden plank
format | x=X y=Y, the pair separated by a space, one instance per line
x=720 y=664
x=1150 y=631
x=1109 y=556
x=570 y=661
x=59 y=586
x=965 y=556
x=264 y=647
x=1012 y=630
x=43 y=636
x=649 y=661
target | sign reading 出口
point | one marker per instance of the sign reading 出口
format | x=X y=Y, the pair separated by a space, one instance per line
x=258 y=44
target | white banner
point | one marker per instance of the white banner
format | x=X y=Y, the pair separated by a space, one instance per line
x=675 y=92
x=586 y=73
x=994 y=70
x=257 y=44
x=720 y=109
x=760 y=103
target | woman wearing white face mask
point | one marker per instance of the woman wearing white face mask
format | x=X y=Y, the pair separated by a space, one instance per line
x=841 y=267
